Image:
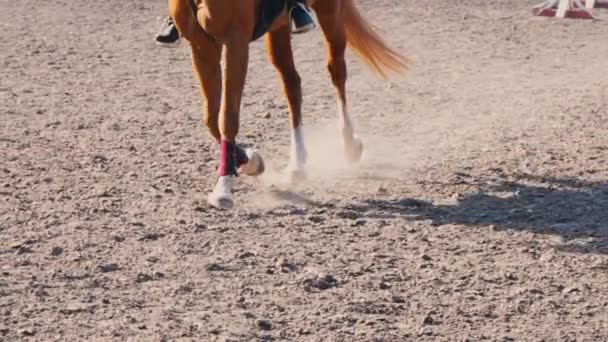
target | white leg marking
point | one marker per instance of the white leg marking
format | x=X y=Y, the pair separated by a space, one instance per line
x=298 y=155
x=345 y=124
x=353 y=147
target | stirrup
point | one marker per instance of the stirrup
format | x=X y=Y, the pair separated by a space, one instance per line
x=304 y=28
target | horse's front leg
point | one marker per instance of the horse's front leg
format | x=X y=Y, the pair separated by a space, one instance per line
x=207 y=65
x=235 y=73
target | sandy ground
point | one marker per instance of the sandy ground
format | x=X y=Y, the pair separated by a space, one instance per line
x=479 y=211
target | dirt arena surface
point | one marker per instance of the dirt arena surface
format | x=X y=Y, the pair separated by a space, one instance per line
x=479 y=211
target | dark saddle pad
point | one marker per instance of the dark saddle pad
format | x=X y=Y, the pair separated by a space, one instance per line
x=269 y=11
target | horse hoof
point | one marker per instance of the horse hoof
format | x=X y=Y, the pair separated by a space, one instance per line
x=354 y=150
x=255 y=166
x=296 y=176
x=221 y=201
x=221 y=197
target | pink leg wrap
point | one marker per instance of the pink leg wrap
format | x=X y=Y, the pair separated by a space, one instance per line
x=228 y=160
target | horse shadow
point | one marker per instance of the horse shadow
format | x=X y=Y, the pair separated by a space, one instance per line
x=574 y=209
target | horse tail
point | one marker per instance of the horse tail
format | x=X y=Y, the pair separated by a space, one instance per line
x=369 y=45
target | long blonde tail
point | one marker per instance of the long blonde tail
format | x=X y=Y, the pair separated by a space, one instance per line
x=369 y=45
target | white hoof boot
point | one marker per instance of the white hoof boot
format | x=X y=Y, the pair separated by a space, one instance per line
x=255 y=166
x=353 y=150
x=221 y=197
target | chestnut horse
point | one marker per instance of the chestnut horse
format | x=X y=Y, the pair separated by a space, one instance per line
x=212 y=25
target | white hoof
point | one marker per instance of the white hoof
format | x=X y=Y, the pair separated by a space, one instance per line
x=221 y=197
x=353 y=150
x=255 y=166
x=295 y=175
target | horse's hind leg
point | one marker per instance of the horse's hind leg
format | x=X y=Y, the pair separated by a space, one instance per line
x=332 y=23
x=281 y=55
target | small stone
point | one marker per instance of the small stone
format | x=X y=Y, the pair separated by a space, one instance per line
x=361 y=223
x=118 y=238
x=384 y=286
x=56 y=251
x=23 y=250
x=350 y=215
x=398 y=300
x=285 y=266
x=151 y=236
x=40 y=292
x=142 y=278
x=26 y=332
x=267 y=115
x=425 y=330
x=73 y=309
x=100 y=158
x=246 y=255
x=570 y=289
x=316 y=219
x=184 y=289
x=17 y=244
x=304 y=331
x=428 y=320
x=199 y=227
x=264 y=324
x=320 y=283
x=108 y=268
x=426 y=257
x=214 y=267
